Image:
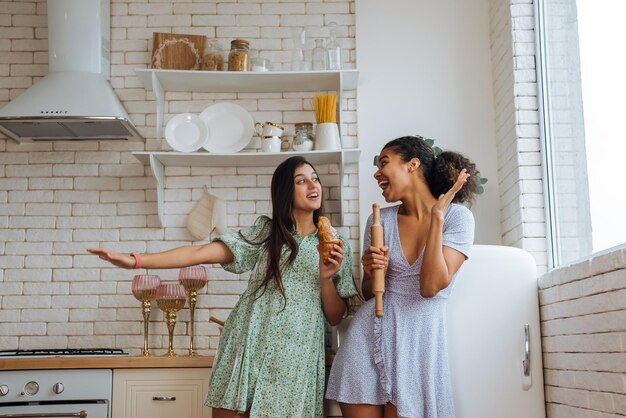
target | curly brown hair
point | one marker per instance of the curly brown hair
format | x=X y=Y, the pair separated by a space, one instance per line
x=440 y=171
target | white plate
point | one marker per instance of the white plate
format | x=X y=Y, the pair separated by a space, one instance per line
x=186 y=132
x=231 y=128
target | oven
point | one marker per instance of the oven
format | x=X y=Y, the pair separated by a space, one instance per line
x=60 y=393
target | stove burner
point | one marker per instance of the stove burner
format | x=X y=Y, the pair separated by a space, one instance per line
x=52 y=352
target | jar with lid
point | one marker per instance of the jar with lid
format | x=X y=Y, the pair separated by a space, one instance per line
x=239 y=55
x=303 y=139
x=213 y=59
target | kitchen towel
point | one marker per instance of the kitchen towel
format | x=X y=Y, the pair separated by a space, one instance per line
x=207 y=216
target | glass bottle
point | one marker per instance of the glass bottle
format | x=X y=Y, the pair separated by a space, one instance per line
x=319 y=55
x=213 y=58
x=298 y=57
x=333 y=50
x=239 y=55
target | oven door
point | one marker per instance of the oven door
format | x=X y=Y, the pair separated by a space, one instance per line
x=66 y=410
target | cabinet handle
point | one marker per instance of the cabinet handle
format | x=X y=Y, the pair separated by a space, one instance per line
x=164 y=398
x=81 y=414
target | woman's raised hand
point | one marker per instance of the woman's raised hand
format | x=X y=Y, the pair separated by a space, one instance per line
x=444 y=200
x=125 y=261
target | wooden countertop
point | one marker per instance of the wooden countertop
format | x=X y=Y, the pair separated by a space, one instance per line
x=111 y=362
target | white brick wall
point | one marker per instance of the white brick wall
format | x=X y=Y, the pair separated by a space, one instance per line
x=583 y=312
x=517 y=127
x=56 y=199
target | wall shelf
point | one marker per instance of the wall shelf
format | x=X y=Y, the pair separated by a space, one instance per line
x=158 y=160
x=162 y=81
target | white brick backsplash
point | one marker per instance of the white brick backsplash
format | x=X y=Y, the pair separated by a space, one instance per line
x=26 y=302
x=58 y=209
x=23 y=328
x=38 y=288
x=71 y=328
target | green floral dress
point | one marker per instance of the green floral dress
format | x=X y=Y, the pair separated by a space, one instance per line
x=271 y=353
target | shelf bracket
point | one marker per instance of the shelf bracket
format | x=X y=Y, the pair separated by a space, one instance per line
x=338 y=110
x=159 y=94
x=341 y=203
x=157 y=172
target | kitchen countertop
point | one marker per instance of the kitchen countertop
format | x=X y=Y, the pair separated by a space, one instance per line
x=106 y=362
x=110 y=362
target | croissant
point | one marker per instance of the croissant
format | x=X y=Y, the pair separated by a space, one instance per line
x=327 y=237
x=324 y=229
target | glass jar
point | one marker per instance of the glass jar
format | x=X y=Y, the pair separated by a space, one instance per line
x=213 y=58
x=333 y=50
x=239 y=55
x=303 y=139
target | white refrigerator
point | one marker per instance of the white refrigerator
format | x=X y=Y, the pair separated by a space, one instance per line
x=494 y=336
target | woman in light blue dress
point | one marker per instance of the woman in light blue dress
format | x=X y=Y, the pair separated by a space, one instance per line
x=397 y=366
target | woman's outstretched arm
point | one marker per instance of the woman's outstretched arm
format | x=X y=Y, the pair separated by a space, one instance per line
x=212 y=253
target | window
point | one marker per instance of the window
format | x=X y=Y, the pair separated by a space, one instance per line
x=583 y=93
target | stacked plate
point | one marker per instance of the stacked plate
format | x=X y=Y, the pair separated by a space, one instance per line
x=222 y=128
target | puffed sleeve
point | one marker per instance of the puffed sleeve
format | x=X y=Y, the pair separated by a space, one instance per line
x=458 y=229
x=343 y=280
x=246 y=245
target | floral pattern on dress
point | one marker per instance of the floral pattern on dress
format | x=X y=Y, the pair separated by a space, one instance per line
x=271 y=355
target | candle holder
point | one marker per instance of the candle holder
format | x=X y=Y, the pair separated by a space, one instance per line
x=171 y=298
x=192 y=278
x=144 y=290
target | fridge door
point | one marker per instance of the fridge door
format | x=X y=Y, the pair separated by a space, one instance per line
x=494 y=336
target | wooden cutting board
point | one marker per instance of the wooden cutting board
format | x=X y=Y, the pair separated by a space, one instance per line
x=172 y=51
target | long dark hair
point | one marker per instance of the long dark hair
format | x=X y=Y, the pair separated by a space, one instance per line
x=440 y=171
x=282 y=224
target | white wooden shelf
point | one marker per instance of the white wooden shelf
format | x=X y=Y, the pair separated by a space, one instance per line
x=160 y=159
x=162 y=81
x=248 y=82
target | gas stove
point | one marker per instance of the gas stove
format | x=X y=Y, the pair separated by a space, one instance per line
x=63 y=352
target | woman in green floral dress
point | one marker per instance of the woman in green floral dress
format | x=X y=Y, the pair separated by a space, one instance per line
x=270 y=362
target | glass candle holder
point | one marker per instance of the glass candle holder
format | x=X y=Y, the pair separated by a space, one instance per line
x=144 y=290
x=192 y=278
x=170 y=298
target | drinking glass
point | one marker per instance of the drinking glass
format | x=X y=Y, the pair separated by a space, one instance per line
x=144 y=290
x=171 y=298
x=192 y=278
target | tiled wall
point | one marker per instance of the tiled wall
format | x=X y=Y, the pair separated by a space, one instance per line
x=56 y=199
x=517 y=127
x=583 y=313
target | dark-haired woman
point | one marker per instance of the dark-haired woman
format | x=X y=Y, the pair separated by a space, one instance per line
x=396 y=366
x=270 y=361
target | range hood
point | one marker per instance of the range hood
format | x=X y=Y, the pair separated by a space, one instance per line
x=75 y=100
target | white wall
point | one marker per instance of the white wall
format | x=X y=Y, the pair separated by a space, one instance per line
x=426 y=69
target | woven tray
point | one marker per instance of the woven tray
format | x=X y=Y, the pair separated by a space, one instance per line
x=171 y=51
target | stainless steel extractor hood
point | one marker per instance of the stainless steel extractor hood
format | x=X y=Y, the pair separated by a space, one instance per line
x=74 y=101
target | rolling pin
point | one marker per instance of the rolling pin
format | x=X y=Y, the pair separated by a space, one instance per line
x=378 y=275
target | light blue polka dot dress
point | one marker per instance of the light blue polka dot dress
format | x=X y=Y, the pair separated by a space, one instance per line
x=402 y=357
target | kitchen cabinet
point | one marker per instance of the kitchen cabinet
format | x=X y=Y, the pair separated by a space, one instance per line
x=160 y=393
x=158 y=160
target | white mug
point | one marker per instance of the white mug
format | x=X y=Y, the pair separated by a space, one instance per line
x=271 y=144
x=268 y=129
